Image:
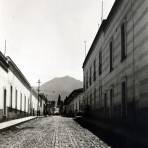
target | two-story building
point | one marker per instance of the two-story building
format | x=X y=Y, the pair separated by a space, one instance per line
x=116 y=66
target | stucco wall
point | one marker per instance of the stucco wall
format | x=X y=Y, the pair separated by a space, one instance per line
x=134 y=68
x=3 y=85
x=21 y=89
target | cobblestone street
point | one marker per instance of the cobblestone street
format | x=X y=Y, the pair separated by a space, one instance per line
x=50 y=132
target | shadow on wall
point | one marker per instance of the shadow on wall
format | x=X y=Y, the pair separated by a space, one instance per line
x=114 y=135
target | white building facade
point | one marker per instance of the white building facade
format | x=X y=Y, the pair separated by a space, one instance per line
x=17 y=98
x=74 y=103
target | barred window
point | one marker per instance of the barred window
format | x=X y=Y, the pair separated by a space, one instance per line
x=86 y=80
x=100 y=95
x=16 y=99
x=105 y=103
x=90 y=77
x=25 y=104
x=100 y=62
x=11 y=95
x=21 y=101
x=111 y=55
x=111 y=101
x=94 y=77
x=95 y=98
x=124 y=99
x=123 y=41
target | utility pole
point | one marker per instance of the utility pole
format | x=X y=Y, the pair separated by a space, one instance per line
x=39 y=82
x=85 y=47
x=102 y=10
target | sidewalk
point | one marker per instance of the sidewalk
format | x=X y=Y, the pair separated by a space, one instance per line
x=11 y=123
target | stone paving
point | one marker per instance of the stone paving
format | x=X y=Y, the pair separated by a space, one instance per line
x=50 y=132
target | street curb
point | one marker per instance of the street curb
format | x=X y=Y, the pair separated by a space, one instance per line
x=11 y=126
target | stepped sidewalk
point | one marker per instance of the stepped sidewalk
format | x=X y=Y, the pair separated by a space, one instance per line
x=8 y=124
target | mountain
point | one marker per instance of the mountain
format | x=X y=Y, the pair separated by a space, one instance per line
x=63 y=86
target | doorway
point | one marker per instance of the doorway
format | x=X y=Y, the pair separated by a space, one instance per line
x=124 y=100
x=5 y=106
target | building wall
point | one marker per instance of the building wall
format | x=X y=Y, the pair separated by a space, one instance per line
x=42 y=102
x=133 y=69
x=20 y=97
x=3 y=85
x=34 y=100
x=90 y=90
x=21 y=89
x=75 y=106
x=20 y=100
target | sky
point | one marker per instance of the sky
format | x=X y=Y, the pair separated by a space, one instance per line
x=45 y=38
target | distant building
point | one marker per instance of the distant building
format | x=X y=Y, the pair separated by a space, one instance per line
x=42 y=104
x=17 y=98
x=74 y=102
x=116 y=66
x=50 y=107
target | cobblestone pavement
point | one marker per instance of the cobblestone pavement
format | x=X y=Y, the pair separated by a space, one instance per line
x=50 y=132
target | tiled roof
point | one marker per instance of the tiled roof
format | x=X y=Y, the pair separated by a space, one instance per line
x=72 y=95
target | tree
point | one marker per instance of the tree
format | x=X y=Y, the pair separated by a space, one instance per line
x=60 y=104
x=59 y=101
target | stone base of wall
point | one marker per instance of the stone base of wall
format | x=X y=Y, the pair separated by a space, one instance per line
x=1 y=114
x=12 y=114
x=134 y=117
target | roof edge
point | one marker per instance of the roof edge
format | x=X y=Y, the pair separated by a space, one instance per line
x=103 y=28
x=13 y=67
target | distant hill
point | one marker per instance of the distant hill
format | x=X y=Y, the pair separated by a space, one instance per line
x=63 y=86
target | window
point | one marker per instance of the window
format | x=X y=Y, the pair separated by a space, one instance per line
x=87 y=100
x=123 y=41
x=21 y=101
x=111 y=102
x=124 y=99
x=80 y=105
x=94 y=77
x=90 y=77
x=28 y=105
x=25 y=104
x=100 y=62
x=84 y=83
x=86 y=80
x=16 y=99
x=111 y=56
x=95 y=98
x=40 y=102
x=100 y=95
x=11 y=95
x=105 y=104
x=5 y=105
x=90 y=101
